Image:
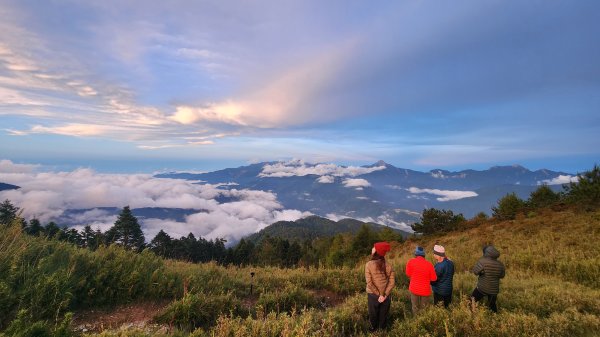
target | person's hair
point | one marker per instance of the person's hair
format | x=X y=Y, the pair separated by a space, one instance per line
x=380 y=262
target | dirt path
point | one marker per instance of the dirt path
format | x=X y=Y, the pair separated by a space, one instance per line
x=138 y=314
x=327 y=298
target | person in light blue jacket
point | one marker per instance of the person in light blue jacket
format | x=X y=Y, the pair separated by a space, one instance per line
x=444 y=269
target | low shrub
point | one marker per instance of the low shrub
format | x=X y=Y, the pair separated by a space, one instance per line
x=290 y=298
x=200 y=310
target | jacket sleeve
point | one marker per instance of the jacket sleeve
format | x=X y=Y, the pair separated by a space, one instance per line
x=478 y=268
x=502 y=271
x=408 y=269
x=369 y=278
x=391 y=283
x=432 y=274
x=439 y=271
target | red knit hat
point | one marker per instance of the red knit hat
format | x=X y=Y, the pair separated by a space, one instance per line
x=381 y=248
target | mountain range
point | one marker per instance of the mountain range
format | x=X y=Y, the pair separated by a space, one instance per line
x=380 y=192
x=232 y=202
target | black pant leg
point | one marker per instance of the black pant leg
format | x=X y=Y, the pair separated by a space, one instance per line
x=384 y=309
x=437 y=298
x=492 y=302
x=477 y=295
x=447 y=301
x=373 y=305
x=440 y=298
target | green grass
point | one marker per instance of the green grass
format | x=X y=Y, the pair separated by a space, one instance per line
x=551 y=286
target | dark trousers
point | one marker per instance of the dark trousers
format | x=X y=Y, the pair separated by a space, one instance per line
x=439 y=298
x=378 y=312
x=491 y=299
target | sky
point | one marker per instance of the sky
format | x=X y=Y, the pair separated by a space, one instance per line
x=139 y=87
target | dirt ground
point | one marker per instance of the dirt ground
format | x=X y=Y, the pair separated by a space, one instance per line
x=138 y=314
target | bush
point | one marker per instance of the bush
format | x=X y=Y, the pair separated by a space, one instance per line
x=290 y=298
x=586 y=191
x=438 y=221
x=544 y=196
x=508 y=207
x=24 y=326
x=200 y=310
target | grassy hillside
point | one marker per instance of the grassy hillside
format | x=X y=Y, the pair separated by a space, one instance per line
x=551 y=288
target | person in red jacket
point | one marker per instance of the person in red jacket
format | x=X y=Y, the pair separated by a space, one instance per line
x=421 y=273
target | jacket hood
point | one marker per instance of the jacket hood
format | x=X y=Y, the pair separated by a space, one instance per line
x=491 y=252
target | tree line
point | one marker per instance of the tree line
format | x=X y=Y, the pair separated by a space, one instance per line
x=585 y=192
x=337 y=250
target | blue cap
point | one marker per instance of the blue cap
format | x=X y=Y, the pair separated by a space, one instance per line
x=420 y=251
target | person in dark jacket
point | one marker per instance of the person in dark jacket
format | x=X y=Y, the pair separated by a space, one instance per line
x=490 y=271
x=444 y=269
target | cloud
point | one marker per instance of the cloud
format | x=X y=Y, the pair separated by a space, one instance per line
x=383 y=219
x=72 y=129
x=300 y=168
x=47 y=195
x=445 y=195
x=7 y=166
x=358 y=183
x=560 y=180
x=326 y=180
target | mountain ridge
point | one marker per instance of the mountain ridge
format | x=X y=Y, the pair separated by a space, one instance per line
x=372 y=193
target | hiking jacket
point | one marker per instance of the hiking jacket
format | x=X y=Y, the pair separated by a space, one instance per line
x=421 y=273
x=445 y=273
x=490 y=271
x=377 y=282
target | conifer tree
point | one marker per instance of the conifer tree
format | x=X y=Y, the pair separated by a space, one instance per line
x=508 y=207
x=126 y=231
x=34 y=228
x=543 y=196
x=51 y=229
x=438 y=221
x=8 y=212
x=586 y=191
x=161 y=244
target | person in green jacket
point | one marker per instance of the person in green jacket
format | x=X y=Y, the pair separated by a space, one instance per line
x=490 y=271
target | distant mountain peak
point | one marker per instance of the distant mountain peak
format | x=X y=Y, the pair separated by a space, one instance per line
x=380 y=163
x=509 y=167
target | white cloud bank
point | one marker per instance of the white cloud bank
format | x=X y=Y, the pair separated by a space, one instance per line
x=445 y=195
x=560 y=180
x=46 y=195
x=358 y=183
x=300 y=168
x=326 y=180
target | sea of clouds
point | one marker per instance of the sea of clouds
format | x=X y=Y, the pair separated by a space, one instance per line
x=48 y=195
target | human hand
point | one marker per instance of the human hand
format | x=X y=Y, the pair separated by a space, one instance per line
x=381 y=299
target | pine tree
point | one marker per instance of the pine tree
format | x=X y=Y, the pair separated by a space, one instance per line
x=543 y=196
x=586 y=191
x=8 y=212
x=51 y=230
x=438 y=221
x=34 y=228
x=161 y=244
x=126 y=231
x=88 y=237
x=508 y=207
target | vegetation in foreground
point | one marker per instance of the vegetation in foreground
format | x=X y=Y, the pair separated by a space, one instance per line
x=551 y=288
